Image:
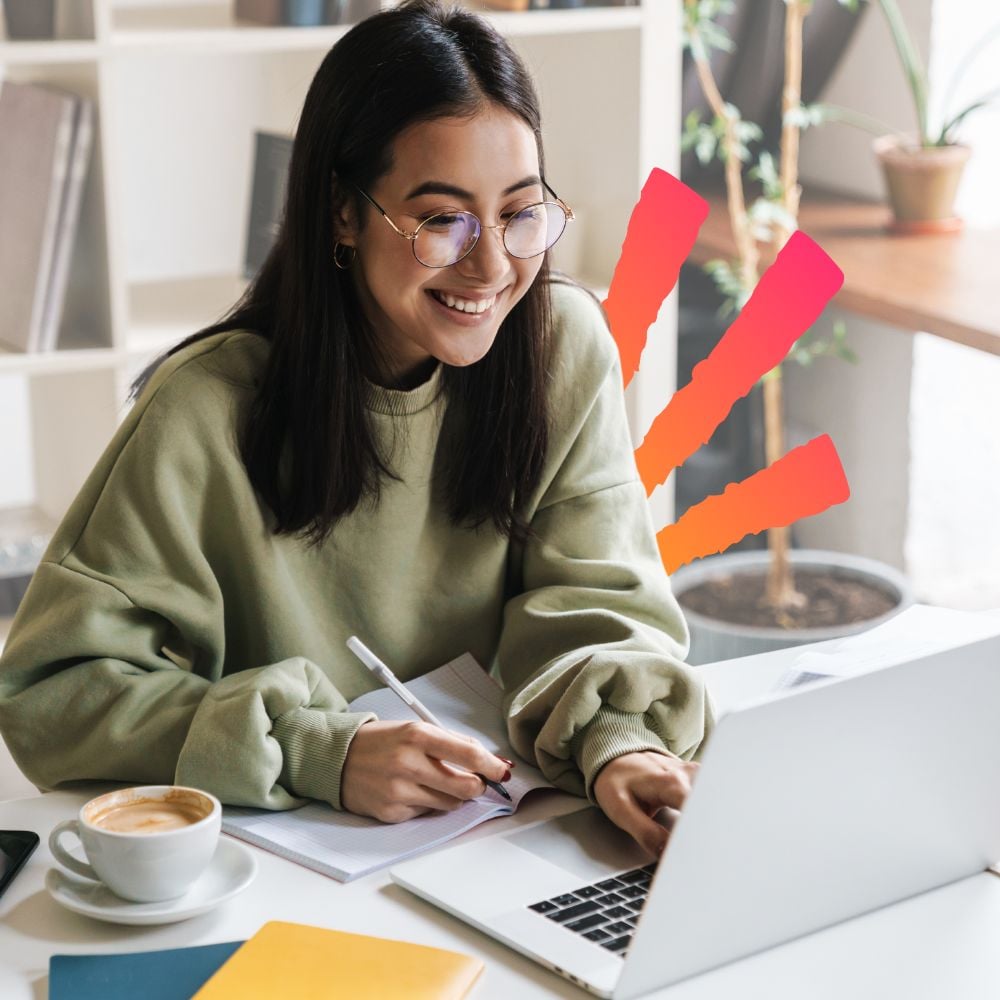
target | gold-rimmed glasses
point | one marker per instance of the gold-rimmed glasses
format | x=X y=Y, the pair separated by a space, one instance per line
x=448 y=237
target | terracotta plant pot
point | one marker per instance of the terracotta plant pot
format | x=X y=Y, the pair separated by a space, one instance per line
x=922 y=183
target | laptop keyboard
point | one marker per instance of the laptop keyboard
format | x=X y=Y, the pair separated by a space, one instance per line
x=605 y=912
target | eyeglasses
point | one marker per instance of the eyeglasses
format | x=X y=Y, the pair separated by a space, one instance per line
x=447 y=238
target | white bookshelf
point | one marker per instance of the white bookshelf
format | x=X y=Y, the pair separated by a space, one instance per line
x=180 y=89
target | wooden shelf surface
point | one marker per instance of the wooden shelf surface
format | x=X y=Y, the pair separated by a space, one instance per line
x=947 y=285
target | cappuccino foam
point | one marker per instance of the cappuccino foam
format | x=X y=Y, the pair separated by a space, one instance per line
x=148 y=816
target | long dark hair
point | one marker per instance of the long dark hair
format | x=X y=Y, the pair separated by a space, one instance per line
x=307 y=442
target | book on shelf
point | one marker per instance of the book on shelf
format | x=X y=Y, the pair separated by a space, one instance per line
x=304 y=13
x=46 y=137
x=40 y=20
x=69 y=221
x=272 y=154
x=271 y=12
x=346 y=846
x=350 y=11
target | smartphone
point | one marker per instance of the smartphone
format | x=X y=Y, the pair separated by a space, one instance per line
x=16 y=846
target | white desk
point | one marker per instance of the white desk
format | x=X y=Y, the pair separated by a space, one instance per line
x=942 y=944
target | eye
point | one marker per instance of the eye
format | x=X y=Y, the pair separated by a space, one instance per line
x=532 y=211
x=441 y=220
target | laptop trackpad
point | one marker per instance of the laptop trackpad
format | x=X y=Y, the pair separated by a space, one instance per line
x=585 y=843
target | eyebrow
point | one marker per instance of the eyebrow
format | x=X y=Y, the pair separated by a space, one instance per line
x=439 y=187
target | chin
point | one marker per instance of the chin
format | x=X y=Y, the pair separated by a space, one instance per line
x=465 y=361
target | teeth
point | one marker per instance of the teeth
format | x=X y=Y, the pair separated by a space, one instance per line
x=463 y=305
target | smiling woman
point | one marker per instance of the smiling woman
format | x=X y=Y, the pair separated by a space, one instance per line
x=445 y=295
x=406 y=430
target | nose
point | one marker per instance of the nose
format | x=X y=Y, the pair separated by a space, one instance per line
x=488 y=260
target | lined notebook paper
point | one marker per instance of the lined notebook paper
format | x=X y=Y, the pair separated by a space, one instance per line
x=346 y=846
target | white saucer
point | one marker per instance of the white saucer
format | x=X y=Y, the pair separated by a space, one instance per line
x=231 y=870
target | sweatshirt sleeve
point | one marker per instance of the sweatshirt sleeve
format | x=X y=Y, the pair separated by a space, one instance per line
x=116 y=664
x=593 y=643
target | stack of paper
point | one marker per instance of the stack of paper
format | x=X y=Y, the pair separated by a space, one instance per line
x=918 y=631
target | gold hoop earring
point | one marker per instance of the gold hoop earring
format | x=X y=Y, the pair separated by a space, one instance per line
x=338 y=260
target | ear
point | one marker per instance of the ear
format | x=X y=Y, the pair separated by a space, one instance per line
x=345 y=227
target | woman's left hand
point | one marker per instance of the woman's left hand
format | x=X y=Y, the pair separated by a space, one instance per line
x=633 y=788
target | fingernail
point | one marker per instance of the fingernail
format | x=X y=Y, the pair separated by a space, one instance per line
x=506 y=775
x=509 y=763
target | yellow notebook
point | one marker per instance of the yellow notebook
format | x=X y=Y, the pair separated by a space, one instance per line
x=312 y=963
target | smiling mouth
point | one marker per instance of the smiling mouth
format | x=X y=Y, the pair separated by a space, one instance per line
x=469 y=307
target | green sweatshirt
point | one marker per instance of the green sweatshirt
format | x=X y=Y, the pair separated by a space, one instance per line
x=169 y=637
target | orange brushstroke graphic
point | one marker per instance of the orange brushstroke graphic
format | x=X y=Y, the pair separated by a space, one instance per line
x=787 y=300
x=806 y=481
x=661 y=232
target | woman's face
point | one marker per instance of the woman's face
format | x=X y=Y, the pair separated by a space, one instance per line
x=487 y=165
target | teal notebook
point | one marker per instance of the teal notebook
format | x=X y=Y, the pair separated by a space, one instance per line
x=176 y=974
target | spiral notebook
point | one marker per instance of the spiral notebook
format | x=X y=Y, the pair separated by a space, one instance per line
x=346 y=846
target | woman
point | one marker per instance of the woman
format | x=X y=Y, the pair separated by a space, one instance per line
x=420 y=439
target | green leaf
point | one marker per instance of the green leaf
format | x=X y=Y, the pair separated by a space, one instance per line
x=705 y=147
x=970 y=57
x=715 y=37
x=913 y=65
x=982 y=102
x=765 y=214
x=808 y=115
x=766 y=172
x=728 y=281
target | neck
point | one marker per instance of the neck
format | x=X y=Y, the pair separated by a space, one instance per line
x=408 y=378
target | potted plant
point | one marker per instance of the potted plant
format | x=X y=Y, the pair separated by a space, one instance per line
x=748 y=602
x=922 y=171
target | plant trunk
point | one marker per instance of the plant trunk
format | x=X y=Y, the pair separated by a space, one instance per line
x=781 y=592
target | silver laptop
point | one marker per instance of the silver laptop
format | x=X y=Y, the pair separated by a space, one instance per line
x=812 y=806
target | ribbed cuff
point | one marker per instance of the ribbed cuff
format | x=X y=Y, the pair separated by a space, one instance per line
x=314 y=747
x=609 y=734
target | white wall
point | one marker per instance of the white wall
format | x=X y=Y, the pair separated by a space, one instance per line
x=953 y=539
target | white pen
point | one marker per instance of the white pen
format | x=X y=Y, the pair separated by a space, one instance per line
x=389 y=679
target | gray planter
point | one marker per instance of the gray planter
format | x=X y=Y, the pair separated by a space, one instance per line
x=713 y=640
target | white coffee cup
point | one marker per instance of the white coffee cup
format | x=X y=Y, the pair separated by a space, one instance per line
x=145 y=844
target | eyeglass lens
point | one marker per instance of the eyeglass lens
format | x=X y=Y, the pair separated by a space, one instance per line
x=445 y=239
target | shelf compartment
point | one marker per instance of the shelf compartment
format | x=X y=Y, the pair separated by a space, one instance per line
x=48 y=53
x=165 y=312
x=213 y=26
x=85 y=321
x=566 y=22
x=24 y=535
x=73 y=415
x=14 y=363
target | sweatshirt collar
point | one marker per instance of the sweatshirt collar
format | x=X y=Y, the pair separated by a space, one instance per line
x=402 y=402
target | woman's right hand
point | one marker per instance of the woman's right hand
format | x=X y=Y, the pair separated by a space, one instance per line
x=397 y=770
